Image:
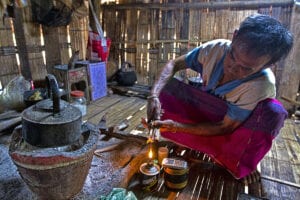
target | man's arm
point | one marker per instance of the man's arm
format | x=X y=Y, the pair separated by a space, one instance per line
x=226 y=126
x=167 y=72
x=154 y=107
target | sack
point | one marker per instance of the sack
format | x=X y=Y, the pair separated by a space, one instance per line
x=12 y=96
x=97 y=47
x=126 y=76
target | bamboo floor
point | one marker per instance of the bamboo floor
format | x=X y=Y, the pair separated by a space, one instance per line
x=280 y=169
x=120 y=155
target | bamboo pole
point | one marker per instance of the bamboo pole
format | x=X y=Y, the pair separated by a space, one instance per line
x=21 y=44
x=204 y=5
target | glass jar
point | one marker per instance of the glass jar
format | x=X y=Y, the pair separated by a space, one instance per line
x=78 y=100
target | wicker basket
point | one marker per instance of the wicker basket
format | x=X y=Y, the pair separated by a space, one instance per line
x=54 y=173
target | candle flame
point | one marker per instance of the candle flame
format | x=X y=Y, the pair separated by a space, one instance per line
x=150 y=154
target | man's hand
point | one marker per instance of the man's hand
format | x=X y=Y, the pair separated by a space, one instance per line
x=153 y=109
x=166 y=125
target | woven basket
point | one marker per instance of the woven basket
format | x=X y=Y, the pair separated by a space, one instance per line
x=53 y=173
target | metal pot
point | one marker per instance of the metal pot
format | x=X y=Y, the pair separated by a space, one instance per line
x=29 y=93
x=51 y=122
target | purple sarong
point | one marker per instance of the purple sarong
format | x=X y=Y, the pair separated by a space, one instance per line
x=238 y=152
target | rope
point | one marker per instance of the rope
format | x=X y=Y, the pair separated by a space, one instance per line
x=98 y=26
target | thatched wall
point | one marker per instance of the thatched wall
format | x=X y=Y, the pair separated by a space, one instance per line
x=148 y=35
x=38 y=48
x=8 y=61
x=290 y=79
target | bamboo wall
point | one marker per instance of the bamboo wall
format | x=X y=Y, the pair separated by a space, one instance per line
x=9 y=66
x=145 y=34
x=149 y=34
x=38 y=48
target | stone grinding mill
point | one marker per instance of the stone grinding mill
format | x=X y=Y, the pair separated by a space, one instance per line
x=52 y=149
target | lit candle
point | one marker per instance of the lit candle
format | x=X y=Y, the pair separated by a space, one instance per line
x=150 y=155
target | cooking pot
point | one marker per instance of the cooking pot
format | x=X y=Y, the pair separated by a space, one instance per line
x=29 y=93
x=51 y=122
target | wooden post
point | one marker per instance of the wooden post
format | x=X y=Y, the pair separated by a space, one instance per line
x=290 y=81
x=113 y=31
x=56 y=46
x=78 y=32
x=154 y=47
x=142 y=46
x=130 y=35
x=22 y=48
x=52 y=42
x=28 y=38
x=10 y=68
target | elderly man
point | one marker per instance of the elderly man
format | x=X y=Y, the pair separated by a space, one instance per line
x=236 y=79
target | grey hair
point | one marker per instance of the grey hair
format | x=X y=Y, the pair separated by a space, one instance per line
x=265 y=35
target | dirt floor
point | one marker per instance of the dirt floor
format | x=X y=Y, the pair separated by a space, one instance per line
x=101 y=179
x=11 y=184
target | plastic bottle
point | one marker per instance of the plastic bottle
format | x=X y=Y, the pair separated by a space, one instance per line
x=79 y=101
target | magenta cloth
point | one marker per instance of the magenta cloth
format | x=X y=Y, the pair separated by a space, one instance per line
x=238 y=152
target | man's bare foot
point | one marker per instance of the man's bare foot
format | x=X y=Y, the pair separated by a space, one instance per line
x=251 y=178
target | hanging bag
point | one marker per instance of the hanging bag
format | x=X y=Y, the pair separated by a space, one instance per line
x=126 y=76
x=98 y=45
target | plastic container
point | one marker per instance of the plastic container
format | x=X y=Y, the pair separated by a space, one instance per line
x=79 y=101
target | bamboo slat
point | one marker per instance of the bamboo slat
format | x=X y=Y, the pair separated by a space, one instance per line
x=9 y=67
x=207 y=4
x=195 y=22
x=131 y=35
x=282 y=163
x=289 y=84
x=64 y=45
x=78 y=35
x=142 y=64
x=6 y=38
x=113 y=32
x=154 y=49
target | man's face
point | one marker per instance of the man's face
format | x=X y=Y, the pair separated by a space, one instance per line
x=239 y=63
